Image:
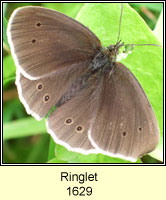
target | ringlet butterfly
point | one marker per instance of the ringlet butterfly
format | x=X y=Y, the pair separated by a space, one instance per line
x=100 y=106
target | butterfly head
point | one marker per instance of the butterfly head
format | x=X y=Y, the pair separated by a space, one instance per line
x=114 y=50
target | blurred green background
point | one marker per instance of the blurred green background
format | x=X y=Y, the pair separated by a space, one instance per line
x=25 y=140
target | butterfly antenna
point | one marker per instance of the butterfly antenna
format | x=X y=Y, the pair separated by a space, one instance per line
x=120 y=22
x=142 y=45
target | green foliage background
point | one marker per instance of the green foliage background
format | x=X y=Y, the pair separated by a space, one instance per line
x=25 y=140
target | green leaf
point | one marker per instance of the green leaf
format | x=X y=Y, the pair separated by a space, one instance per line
x=158 y=31
x=108 y=159
x=4 y=9
x=5 y=41
x=22 y=128
x=152 y=6
x=35 y=154
x=63 y=154
x=7 y=81
x=72 y=157
x=70 y=9
x=100 y=158
x=55 y=160
x=32 y=149
x=51 y=153
x=12 y=109
x=8 y=67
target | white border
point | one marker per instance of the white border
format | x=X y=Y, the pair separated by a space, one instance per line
x=78 y=150
x=107 y=152
x=23 y=101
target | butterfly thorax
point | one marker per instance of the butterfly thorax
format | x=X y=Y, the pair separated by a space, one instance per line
x=101 y=61
x=105 y=58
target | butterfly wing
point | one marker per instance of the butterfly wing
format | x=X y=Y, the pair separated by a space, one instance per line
x=69 y=123
x=124 y=124
x=43 y=41
x=51 y=51
x=113 y=113
x=39 y=96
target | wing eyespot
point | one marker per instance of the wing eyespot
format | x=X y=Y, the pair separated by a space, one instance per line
x=79 y=129
x=39 y=86
x=124 y=133
x=33 y=41
x=46 y=98
x=68 y=121
x=139 y=129
x=38 y=24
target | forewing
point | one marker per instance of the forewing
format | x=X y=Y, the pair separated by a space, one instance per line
x=43 y=41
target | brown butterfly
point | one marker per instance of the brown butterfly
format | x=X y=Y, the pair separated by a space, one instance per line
x=101 y=107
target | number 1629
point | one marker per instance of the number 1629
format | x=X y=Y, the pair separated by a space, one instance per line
x=79 y=191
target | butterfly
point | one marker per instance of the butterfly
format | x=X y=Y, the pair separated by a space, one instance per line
x=100 y=105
